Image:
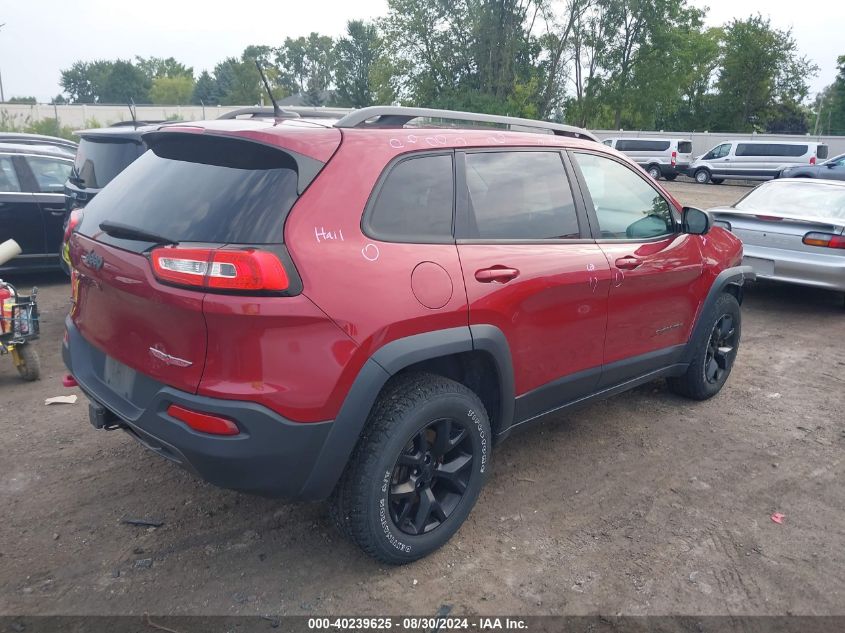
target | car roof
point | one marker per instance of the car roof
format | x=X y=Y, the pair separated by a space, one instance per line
x=804 y=182
x=35 y=139
x=51 y=151
x=407 y=138
x=772 y=142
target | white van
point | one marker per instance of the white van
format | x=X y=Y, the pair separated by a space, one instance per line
x=754 y=160
x=665 y=157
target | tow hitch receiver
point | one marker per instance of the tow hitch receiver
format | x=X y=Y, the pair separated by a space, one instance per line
x=102 y=418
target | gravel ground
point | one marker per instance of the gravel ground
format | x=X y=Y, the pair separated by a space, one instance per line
x=642 y=504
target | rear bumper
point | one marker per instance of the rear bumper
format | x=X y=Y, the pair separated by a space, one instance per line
x=272 y=456
x=669 y=170
x=809 y=269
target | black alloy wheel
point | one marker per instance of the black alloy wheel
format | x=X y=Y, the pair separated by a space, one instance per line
x=720 y=349
x=430 y=476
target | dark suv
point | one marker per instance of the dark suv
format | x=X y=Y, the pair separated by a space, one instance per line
x=362 y=310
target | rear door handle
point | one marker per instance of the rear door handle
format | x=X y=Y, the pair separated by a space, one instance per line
x=628 y=263
x=496 y=274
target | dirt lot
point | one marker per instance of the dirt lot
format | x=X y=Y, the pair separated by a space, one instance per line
x=643 y=504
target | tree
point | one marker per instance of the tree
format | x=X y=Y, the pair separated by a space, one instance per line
x=760 y=72
x=83 y=81
x=123 y=83
x=238 y=82
x=172 y=90
x=306 y=66
x=357 y=58
x=205 y=90
x=23 y=100
x=155 y=67
x=830 y=105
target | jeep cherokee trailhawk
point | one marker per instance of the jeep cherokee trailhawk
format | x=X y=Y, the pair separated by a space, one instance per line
x=361 y=309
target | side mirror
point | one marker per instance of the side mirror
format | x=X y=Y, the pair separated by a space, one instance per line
x=830 y=165
x=695 y=221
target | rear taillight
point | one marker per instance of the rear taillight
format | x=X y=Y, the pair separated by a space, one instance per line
x=245 y=270
x=203 y=422
x=812 y=160
x=674 y=158
x=73 y=221
x=826 y=240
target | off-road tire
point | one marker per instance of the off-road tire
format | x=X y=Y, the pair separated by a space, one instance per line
x=30 y=366
x=362 y=504
x=698 y=382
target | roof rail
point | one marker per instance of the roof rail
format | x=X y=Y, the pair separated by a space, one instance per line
x=293 y=112
x=395 y=116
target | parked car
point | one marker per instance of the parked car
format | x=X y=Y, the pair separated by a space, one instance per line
x=754 y=160
x=831 y=169
x=362 y=310
x=23 y=138
x=792 y=230
x=666 y=157
x=103 y=153
x=32 y=203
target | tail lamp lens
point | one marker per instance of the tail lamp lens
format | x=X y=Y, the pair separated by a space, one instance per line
x=812 y=160
x=674 y=158
x=826 y=240
x=248 y=269
x=73 y=221
x=203 y=422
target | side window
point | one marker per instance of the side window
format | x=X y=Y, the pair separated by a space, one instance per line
x=415 y=202
x=519 y=195
x=8 y=178
x=720 y=151
x=626 y=206
x=608 y=142
x=50 y=174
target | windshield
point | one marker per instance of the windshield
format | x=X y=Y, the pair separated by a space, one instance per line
x=835 y=160
x=807 y=199
x=97 y=162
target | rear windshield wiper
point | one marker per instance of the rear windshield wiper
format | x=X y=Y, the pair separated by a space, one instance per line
x=122 y=231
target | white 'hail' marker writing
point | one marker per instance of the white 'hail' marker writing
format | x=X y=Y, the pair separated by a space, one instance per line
x=323 y=235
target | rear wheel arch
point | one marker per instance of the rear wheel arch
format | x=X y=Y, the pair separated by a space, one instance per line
x=476 y=356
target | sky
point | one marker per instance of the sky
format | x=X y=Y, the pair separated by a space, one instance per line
x=41 y=37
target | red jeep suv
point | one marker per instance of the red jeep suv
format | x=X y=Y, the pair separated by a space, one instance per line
x=361 y=310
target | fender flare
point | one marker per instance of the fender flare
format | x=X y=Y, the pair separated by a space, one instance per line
x=378 y=369
x=734 y=276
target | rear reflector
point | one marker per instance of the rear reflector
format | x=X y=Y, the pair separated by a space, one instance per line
x=203 y=422
x=824 y=239
x=244 y=270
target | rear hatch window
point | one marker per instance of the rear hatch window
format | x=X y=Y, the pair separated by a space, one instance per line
x=193 y=188
x=98 y=161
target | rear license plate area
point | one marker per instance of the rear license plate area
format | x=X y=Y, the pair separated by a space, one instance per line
x=119 y=377
x=763 y=267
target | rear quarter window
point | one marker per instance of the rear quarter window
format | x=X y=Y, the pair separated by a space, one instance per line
x=197 y=188
x=685 y=147
x=415 y=202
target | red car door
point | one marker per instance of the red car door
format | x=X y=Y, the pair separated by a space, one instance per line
x=654 y=267
x=532 y=271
